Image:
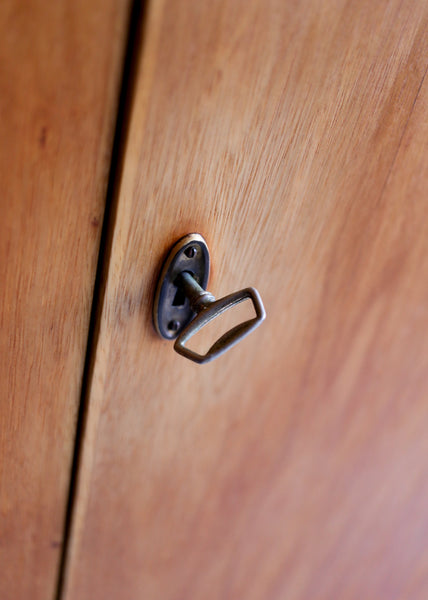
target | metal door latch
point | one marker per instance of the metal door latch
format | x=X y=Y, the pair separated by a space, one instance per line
x=182 y=305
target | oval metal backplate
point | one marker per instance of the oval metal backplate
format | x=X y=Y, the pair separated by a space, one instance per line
x=171 y=309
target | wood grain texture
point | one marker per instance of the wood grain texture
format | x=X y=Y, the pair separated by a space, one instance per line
x=294 y=137
x=60 y=65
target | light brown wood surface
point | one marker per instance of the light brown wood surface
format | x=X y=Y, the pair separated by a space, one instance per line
x=294 y=137
x=60 y=70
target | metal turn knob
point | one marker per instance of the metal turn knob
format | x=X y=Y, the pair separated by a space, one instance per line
x=183 y=306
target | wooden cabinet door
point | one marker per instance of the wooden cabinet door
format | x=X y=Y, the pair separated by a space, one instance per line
x=294 y=137
x=60 y=70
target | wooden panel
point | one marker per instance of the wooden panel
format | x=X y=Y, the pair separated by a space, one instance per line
x=61 y=65
x=293 y=136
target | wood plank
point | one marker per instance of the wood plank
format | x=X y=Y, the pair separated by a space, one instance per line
x=293 y=136
x=60 y=65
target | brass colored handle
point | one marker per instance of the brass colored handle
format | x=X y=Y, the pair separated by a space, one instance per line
x=180 y=293
x=207 y=309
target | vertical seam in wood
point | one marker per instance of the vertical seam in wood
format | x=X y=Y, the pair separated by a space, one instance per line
x=132 y=54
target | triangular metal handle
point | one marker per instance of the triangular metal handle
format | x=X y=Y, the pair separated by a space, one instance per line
x=211 y=311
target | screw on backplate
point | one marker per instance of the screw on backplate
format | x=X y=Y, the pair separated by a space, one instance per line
x=174 y=326
x=190 y=252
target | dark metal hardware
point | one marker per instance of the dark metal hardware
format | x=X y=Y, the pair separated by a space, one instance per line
x=181 y=295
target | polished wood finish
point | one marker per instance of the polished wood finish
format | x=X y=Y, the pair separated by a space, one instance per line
x=61 y=65
x=293 y=136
